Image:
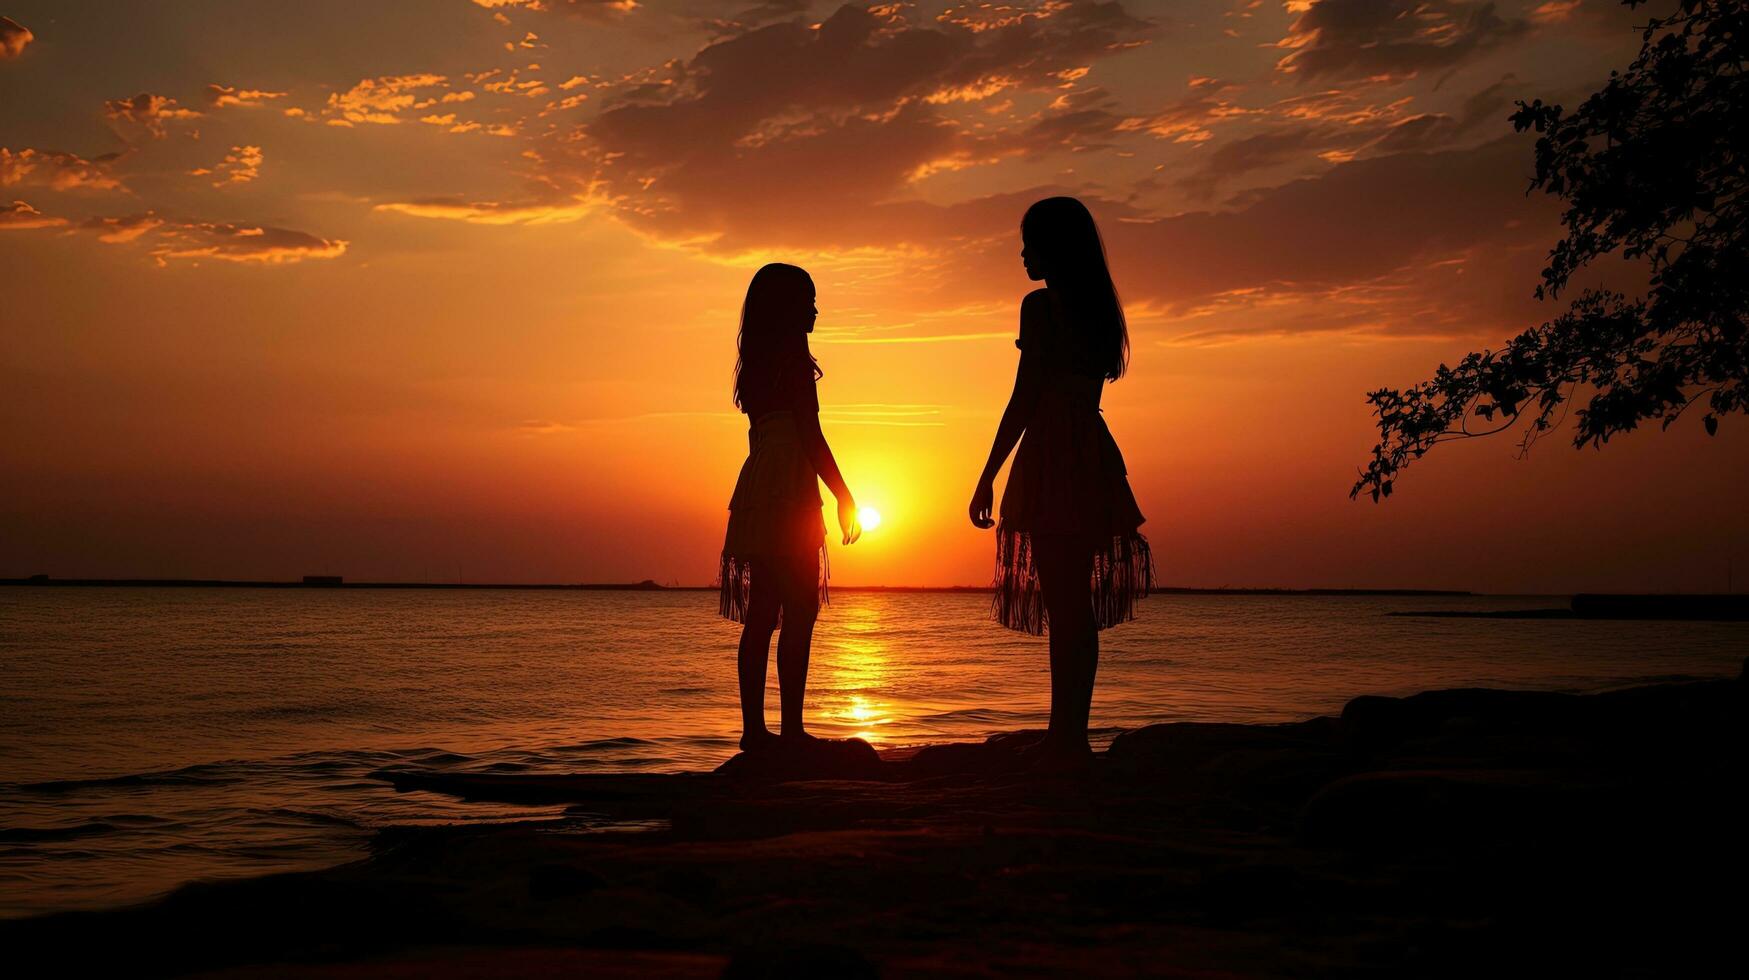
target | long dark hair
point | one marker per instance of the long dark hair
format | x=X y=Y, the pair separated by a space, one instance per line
x=1060 y=230
x=774 y=338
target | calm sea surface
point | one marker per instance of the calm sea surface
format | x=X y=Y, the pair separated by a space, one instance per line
x=153 y=737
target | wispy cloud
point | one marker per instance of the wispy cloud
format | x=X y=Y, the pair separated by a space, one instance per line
x=19 y=216
x=58 y=171
x=551 y=427
x=834 y=337
x=587 y=9
x=839 y=420
x=874 y=413
x=490 y=212
x=148 y=112
x=227 y=242
x=14 y=38
x=176 y=240
x=383 y=99
x=1390 y=40
x=240 y=166
x=224 y=96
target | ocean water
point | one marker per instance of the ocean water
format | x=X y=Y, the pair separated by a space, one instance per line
x=151 y=737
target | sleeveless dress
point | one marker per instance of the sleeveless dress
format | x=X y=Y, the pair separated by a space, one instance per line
x=1068 y=481
x=775 y=509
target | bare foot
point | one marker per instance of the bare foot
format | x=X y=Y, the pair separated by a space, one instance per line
x=797 y=738
x=757 y=739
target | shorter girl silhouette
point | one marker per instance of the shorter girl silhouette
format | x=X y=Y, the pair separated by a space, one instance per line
x=1070 y=557
x=774 y=554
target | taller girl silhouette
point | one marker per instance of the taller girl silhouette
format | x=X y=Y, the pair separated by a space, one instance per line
x=1070 y=557
x=774 y=554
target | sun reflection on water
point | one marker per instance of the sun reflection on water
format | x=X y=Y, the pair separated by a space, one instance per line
x=856 y=670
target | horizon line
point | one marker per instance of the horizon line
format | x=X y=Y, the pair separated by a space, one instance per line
x=650 y=585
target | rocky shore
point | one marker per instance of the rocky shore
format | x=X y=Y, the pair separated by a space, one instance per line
x=1455 y=833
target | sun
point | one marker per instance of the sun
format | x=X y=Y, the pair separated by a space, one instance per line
x=868 y=517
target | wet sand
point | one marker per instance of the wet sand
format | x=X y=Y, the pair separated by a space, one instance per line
x=1449 y=833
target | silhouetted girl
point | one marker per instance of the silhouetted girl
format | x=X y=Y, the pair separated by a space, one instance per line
x=1069 y=555
x=774 y=555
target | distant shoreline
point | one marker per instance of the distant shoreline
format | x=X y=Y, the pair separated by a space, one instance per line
x=645 y=586
x=1671 y=606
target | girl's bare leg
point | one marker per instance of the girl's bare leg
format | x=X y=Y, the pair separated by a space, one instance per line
x=755 y=650
x=1066 y=577
x=801 y=604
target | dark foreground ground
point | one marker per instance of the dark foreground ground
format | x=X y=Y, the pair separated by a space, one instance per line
x=1458 y=833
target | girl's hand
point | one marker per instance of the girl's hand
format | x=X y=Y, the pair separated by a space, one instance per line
x=983 y=501
x=847 y=521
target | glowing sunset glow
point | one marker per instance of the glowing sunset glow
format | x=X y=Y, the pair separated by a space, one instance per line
x=448 y=291
x=868 y=517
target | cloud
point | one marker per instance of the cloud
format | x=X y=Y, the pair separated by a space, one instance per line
x=223 y=96
x=169 y=239
x=709 y=13
x=381 y=100
x=1080 y=120
x=118 y=231
x=1390 y=40
x=981 y=17
x=586 y=9
x=147 y=111
x=240 y=166
x=497 y=82
x=1470 y=291
x=785 y=122
x=58 y=171
x=489 y=212
x=1335 y=125
x=1597 y=18
x=241 y=243
x=1358 y=221
x=450 y=124
x=14 y=37
x=1261 y=151
x=1191 y=118
x=855 y=62
x=1431 y=130
x=19 y=216
x=1555 y=11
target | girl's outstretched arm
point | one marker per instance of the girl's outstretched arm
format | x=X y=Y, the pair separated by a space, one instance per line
x=1021 y=402
x=820 y=454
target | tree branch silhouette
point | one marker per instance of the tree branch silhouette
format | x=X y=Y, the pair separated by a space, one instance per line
x=1651 y=166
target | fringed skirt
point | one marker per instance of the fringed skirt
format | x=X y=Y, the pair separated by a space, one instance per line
x=774 y=513
x=1068 y=487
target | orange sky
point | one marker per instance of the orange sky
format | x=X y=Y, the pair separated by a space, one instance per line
x=447 y=289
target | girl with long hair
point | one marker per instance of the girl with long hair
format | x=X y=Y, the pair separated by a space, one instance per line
x=773 y=567
x=1070 y=557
